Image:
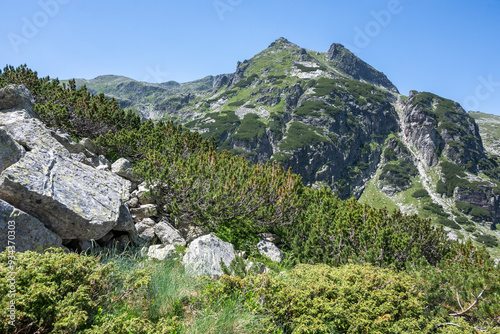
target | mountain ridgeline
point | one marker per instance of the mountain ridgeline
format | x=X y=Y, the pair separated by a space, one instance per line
x=340 y=123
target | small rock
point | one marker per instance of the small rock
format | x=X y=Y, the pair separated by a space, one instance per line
x=241 y=254
x=168 y=234
x=144 y=194
x=144 y=211
x=124 y=168
x=160 y=252
x=133 y=202
x=101 y=163
x=271 y=237
x=88 y=144
x=148 y=221
x=105 y=240
x=270 y=250
x=148 y=235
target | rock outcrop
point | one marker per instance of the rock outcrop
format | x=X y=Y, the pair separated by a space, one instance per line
x=347 y=62
x=54 y=182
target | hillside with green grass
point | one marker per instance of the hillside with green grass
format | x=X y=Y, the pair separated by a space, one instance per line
x=349 y=267
x=338 y=122
x=489 y=126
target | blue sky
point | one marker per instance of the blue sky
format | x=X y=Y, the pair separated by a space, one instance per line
x=450 y=48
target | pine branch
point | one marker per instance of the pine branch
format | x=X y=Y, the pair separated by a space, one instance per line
x=458 y=314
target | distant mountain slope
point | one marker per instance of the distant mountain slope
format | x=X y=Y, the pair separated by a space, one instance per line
x=151 y=100
x=340 y=123
x=489 y=127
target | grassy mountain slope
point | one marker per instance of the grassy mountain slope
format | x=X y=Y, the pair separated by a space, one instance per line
x=336 y=121
x=489 y=126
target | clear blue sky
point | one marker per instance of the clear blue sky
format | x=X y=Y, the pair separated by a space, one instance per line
x=450 y=48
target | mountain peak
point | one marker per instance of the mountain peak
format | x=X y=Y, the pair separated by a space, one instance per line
x=350 y=64
x=283 y=43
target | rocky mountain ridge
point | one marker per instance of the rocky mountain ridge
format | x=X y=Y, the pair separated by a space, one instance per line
x=338 y=122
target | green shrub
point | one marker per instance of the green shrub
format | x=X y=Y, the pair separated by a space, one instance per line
x=236 y=103
x=251 y=127
x=463 y=221
x=480 y=213
x=300 y=135
x=420 y=193
x=488 y=240
x=454 y=176
x=324 y=299
x=455 y=284
x=55 y=292
x=334 y=232
x=398 y=174
x=473 y=210
x=436 y=209
x=449 y=223
x=246 y=81
x=390 y=154
x=316 y=108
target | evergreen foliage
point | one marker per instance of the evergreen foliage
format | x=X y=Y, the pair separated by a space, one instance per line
x=334 y=232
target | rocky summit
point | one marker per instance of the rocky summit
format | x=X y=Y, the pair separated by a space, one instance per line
x=340 y=123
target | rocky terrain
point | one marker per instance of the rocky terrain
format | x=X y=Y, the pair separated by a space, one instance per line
x=55 y=192
x=340 y=123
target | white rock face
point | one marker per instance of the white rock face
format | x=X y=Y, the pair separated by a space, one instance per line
x=28 y=232
x=270 y=250
x=204 y=256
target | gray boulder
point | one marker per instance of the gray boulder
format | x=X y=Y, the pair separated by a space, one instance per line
x=10 y=151
x=144 y=211
x=160 y=252
x=29 y=234
x=74 y=200
x=205 y=254
x=168 y=234
x=143 y=194
x=16 y=96
x=30 y=132
x=270 y=250
x=145 y=230
x=124 y=168
x=125 y=222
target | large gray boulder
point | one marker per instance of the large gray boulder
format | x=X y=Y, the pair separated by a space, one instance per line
x=268 y=249
x=74 y=200
x=29 y=234
x=205 y=254
x=16 y=96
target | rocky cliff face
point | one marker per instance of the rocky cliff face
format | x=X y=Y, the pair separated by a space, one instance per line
x=439 y=126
